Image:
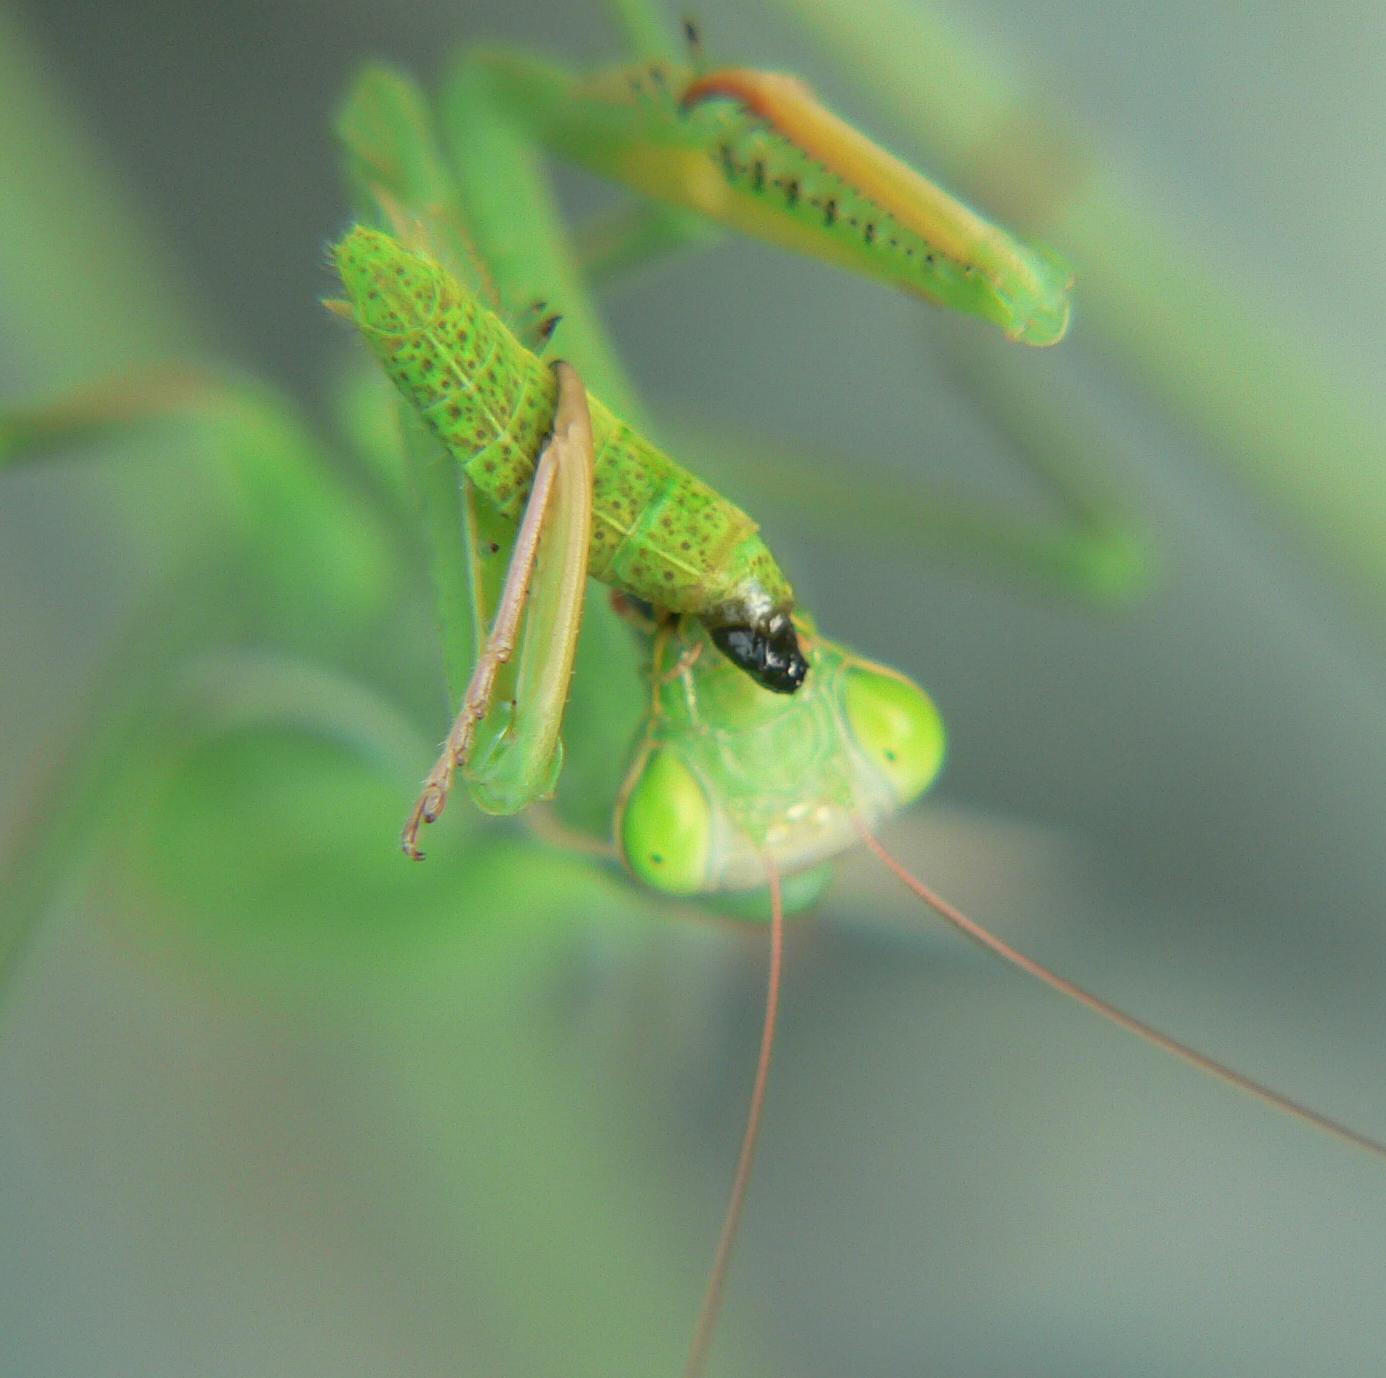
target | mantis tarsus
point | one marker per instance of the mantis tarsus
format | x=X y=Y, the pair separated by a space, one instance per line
x=563 y=337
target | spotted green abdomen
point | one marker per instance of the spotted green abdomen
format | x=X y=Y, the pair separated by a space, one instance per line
x=658 y=532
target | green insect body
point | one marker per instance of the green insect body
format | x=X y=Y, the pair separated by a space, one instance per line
x=729 y=777
x=658 y=532
x=757 y=152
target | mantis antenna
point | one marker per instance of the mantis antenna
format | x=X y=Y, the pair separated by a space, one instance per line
x=721 y=1262
x=971 y=929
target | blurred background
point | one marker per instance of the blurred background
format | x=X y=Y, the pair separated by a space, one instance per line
x=274 y=1103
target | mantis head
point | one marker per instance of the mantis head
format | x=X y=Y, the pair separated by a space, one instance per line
x=730 y=776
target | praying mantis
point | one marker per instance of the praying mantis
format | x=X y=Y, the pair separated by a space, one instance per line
x=586 y=494
x=559 y=345
x=775 y=162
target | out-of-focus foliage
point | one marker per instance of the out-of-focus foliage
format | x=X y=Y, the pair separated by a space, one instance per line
x=272 y=1101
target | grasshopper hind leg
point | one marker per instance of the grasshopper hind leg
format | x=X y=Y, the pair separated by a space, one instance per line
x=544 y=584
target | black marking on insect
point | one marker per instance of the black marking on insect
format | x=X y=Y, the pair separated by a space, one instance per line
x=769 y=653
x=766 y=121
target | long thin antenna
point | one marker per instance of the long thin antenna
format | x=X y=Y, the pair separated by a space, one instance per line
x=716 y=1279
x=973 y=930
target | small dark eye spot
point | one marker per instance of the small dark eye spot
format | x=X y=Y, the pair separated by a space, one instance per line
x=890 y=755
x=657 y=858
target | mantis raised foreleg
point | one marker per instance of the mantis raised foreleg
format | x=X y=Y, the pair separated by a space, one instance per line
x=523 y=758
x=757 y=153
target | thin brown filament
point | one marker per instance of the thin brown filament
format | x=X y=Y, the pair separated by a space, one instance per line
x=973 y=930
x=717 y=1277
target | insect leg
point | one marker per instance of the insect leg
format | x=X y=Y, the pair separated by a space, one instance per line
x=522 y=759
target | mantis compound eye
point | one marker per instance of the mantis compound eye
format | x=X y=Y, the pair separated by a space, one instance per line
x=896 y=725
x=665 y=828
x=770 y=653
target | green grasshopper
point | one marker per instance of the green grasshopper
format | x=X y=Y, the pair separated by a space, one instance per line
x=766 y=747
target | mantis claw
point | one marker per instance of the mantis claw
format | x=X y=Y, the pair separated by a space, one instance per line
x=427 y=809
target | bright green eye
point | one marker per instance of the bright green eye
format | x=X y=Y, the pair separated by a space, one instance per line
x=898 y=727
x=666 y=827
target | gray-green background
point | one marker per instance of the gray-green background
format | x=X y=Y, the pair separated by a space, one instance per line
x=206 y=1169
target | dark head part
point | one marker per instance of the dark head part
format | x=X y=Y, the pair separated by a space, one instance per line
x=769 y=653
